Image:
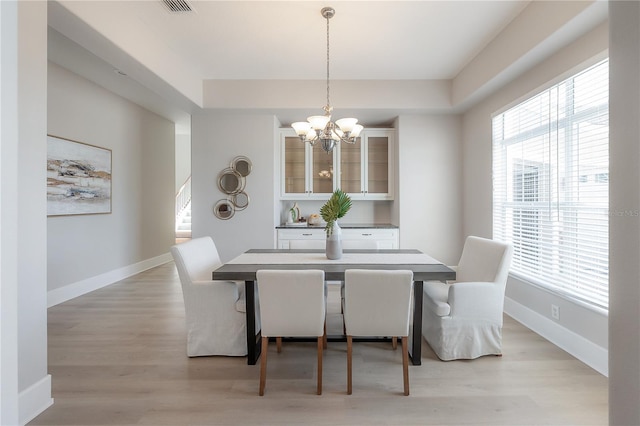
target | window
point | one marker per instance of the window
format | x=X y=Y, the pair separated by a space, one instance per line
x=551 y=186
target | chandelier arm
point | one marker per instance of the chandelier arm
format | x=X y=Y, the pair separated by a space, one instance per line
x=338 y=136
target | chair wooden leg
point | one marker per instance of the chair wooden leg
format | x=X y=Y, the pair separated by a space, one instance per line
x=405 y=363
x=324 y=336
x=349 y=364
x=263 y=365
x=320 y=349
x=394 y=342
x=279 y=344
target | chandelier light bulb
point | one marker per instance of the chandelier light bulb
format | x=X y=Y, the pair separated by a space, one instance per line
x=301 y=127
x=346 y=124
x=356 y=131
x=319 y=122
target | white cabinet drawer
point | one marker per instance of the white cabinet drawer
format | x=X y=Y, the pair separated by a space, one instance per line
x=352 y=238
x=301 y=238
x=369 y=238
x=301 y=234
x=369 y=234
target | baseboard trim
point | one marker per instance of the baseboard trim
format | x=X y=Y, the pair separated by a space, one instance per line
x=585 y=350
x=34 y=400
x=68 y=292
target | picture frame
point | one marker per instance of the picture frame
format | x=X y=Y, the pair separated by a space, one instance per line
x=78 y=178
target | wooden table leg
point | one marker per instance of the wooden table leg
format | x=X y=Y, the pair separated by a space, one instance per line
x=253 y=349
x=415 y=351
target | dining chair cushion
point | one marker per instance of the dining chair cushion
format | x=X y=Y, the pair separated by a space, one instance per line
x=292 y=303
x=368 y=298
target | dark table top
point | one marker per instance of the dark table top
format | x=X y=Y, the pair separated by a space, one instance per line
x=335 y=271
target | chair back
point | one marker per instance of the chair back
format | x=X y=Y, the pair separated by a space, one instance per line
x=377 y=302
x=484 y=260
x=196 y=259
x=292 y=302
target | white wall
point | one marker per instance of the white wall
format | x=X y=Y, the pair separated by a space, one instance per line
x=25 y=385
x=8 y=213
x=429 y=185
x=183 y=159
x=428 y=166
x=580 y=330
x=141 y=225
x=216 y=139
x=624 y=238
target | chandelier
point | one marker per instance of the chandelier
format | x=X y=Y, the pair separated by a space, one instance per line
x=320 y=127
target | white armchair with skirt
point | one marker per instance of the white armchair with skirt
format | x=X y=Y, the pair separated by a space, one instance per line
x=463 y=319
x=215 y=310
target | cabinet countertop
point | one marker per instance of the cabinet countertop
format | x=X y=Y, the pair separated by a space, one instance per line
x=343 y=226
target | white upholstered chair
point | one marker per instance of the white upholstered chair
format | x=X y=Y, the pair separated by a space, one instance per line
x=292 y=304
x=377 y=303
x=463 y=319
x=358 y=245
x=215 y=310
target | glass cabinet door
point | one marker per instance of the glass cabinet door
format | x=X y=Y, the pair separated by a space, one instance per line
x=294 y=166
x=351 y=167
x=364 y=170
x=322 y=170
x=377 y=165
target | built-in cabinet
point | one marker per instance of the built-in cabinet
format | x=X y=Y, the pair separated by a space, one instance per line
x=364 y=170
x=306 y=171
x=352 y=238
x=366 y=167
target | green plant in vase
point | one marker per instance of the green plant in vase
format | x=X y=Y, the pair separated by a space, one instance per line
x=336 y=207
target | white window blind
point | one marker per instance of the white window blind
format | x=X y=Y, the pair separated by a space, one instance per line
x=551 y=186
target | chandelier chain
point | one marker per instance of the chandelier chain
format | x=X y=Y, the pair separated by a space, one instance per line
x=328 y=103
x=321 y=128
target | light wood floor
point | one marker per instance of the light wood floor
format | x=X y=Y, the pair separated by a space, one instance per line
x=117 y=357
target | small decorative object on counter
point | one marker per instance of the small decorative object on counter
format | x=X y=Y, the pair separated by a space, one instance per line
x=335 y=208
x=294 y=214
x=314 y=219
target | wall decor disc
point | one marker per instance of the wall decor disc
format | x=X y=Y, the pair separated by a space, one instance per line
x=224 y=209
x=230 y=181
x=242 y=165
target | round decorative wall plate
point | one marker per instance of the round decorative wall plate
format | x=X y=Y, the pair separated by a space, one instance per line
x=242 y=165
x=224 y=209
x=230 y=181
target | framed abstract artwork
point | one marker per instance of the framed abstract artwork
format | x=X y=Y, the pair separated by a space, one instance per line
x=78 y=178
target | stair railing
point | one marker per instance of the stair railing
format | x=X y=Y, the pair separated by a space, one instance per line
x=183 y=197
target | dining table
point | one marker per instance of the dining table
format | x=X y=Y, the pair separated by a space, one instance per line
x=245 y=266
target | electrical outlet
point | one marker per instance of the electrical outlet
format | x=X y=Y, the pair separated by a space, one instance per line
x=555 y=312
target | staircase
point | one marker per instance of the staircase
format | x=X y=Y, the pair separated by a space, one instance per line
x=183 y=222
x=183 y=210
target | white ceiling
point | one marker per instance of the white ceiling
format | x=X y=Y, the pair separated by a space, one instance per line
x=287 y=39
x=275 y=40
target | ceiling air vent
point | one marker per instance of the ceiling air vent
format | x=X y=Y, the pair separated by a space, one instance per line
x=177 y=5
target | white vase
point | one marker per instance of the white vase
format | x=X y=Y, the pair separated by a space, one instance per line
x=334 y=242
